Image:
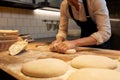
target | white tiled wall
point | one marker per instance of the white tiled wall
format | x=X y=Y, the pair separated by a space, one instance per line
x=29 y=21
x=29 y=1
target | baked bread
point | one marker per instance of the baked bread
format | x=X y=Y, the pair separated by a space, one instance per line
x=17 y=47
x=8 y=34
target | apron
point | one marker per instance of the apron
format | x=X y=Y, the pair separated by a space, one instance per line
x=88 y=27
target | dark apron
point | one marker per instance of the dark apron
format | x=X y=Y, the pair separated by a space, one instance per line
x=88 y=27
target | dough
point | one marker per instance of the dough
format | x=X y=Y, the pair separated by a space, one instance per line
x=45 y=68
x=70 y=51
x=93 y=61
x=94 y=74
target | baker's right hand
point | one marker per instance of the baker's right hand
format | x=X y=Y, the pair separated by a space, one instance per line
x=54 y=44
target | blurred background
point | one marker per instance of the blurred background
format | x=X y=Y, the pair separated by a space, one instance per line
x=40 y=19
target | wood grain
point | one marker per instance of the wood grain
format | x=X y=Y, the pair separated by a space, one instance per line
x=12 y=64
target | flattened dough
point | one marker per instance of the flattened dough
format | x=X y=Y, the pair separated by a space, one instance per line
x=93 y=61
x=45 y=68
x=94 y=74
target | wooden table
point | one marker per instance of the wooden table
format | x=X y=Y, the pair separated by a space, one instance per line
x=12 y=64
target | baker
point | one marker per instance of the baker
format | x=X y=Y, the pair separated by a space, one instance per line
x=93 y=18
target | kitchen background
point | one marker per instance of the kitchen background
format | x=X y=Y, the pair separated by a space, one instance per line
x=44 y=23
x=34 y=22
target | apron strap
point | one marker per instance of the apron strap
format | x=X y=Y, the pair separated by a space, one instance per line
x=86 y=7
x=86 y=10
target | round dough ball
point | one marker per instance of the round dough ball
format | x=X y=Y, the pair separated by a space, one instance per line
x=94 y=74
x=45 y=68
x=93 y=61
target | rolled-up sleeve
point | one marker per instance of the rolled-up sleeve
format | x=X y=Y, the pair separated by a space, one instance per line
x=102 y=20
x=63 y=26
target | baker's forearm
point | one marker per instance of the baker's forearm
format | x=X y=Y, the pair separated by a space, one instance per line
x=61 y=35
x=60 y=38
x=87 y=41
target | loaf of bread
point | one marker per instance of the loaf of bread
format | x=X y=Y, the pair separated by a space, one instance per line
x=17 y=47
x=8 y=34
x=7 y=38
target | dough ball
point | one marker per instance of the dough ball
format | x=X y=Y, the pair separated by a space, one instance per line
x=93 y=61
x=45 y=68
x=94 y=74
x=70 y=51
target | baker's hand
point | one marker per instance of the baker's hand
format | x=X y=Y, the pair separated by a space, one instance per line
x=54 y=44
x=66 y=45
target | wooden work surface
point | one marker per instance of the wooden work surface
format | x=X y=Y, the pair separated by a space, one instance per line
x=12 y=64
